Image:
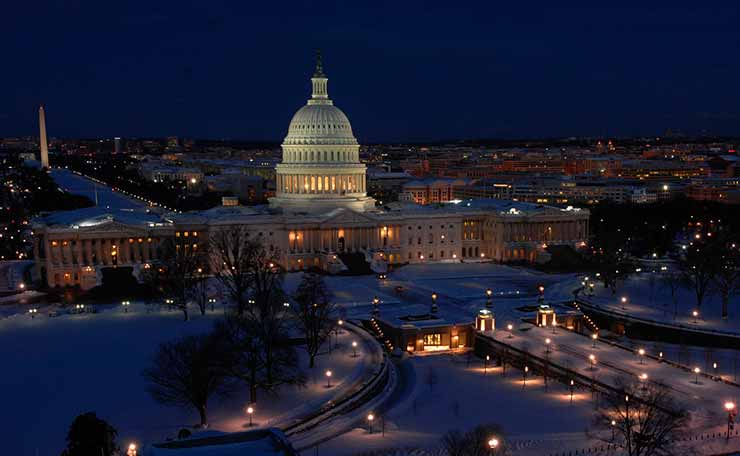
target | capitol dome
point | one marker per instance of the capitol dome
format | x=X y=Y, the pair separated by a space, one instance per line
x=320 y=124
x=321 y=166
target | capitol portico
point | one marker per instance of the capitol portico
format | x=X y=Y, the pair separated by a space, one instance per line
x=320 y=217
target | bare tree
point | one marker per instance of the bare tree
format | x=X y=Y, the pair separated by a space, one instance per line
x=245 y=355
x=267 y=308
x=727 y=275
x=314 y=312
x=674 y=283
x=233 y=253
x=647 y=421
x=698 y=267
x=474 y=442
x=176 y=274
x=199 y=292
x=184 y=373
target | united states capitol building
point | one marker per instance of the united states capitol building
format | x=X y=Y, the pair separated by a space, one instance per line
x=320 y=217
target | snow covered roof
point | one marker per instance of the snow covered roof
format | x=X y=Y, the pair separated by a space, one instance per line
x=418 y=316
x=97 y=215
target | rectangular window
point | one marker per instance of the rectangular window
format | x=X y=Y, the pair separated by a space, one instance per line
x=433 y=339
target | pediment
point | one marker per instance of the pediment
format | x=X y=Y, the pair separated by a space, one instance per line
x=109 y=226
x=347 y=217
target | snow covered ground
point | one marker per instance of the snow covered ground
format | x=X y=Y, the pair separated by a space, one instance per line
x=57 y=368
x=464 y=397
x=106 y=197
x=648 y=296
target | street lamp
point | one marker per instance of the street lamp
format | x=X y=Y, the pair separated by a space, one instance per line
x=572 y=383
x=547 y=345
x=594 y=336
x=370 y=418
x=125 y=305
x=510 y=327
x=524 y=372
x=643 y=380
x=493 y=444
x=376 y=309
x=624 y=301
x=434 y=302
x=489 y=302
x=33 y=312
x=714 y=366
x=614 y=424
x=131 y=450
x=641 y=352
x=485 y=364
x=354 y=349
x=696 y=373
x=328 y=379
x=541 y=297
x=341 y=324
x=250 y=412
x=730 y=407
x=695 y=314
x=592 y=360
x=212 y=301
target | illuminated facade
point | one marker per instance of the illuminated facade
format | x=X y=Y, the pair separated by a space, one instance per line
x=320 y=212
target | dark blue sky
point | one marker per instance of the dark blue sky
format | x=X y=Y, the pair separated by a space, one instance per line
x=401 y=70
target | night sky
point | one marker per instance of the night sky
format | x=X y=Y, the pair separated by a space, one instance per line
x=401 y=70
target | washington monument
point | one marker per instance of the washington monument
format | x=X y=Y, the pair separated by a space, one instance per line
x=43 y=142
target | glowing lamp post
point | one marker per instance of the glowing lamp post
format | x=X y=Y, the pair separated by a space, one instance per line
x=370 y=418
x=572 y=384
x=354 y=349
x=592 y=360
x=730 y=407
x=32 y=312
x=132 y=450
x=541 y=297
x=594 y=336
x=493 y=445
x=643 y=380
x=547 y=345
x=328 y=379
x=695 y=314
x=624 y=302
x=125 y=305
x=714 y=366
x=250 y=412
x=489 y=302
x=641 y=352
x=510 y=327
x=434 y=303
x=697 y=371
x=341 y=325
x=212 y=302
x=524 y=373
x=376 y=308
x=485 y=364
x=614 y=424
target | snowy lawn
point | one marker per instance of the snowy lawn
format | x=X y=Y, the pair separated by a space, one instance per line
x=58 y=368
x=648 y=296
x=464 y=397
